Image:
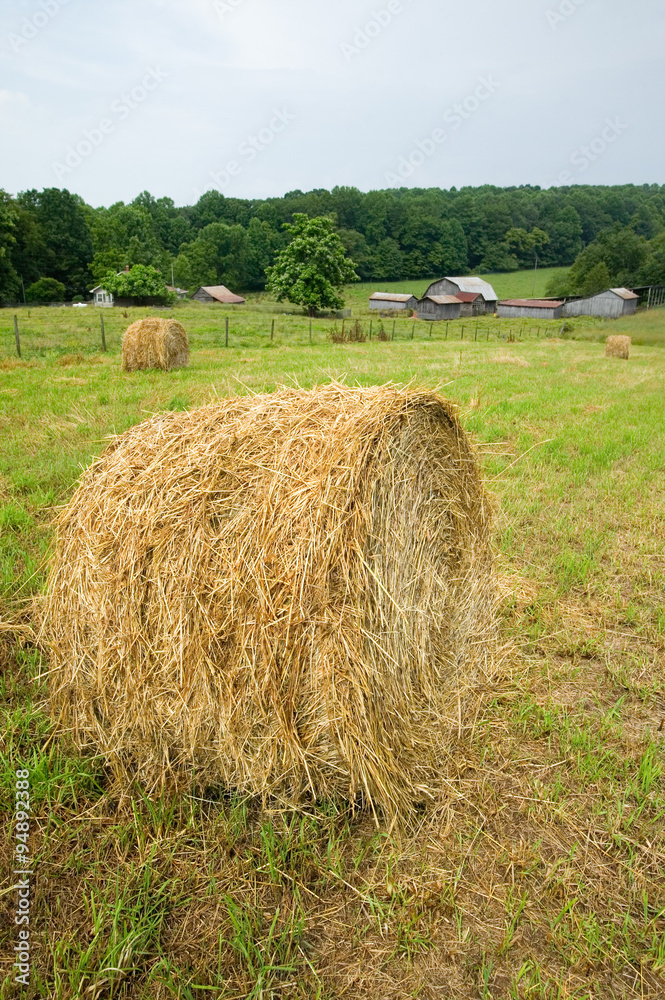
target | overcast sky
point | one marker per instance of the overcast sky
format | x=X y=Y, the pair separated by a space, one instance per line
x=112 y=97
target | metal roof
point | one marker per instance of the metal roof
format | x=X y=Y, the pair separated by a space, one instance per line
x=475 y=285
x=442 y=300
x=535 y=303
x=468 y=296
x=222 y=293
x=391 y=296
x=624 y=293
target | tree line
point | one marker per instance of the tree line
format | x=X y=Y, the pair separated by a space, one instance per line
x=607 y=235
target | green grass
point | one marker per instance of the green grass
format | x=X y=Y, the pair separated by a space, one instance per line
x=539 y=872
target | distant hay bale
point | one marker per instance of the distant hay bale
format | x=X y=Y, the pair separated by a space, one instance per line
x=617 y=347
x=290 y=595
x=155 y=343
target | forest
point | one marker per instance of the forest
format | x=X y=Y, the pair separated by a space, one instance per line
x=605 y=235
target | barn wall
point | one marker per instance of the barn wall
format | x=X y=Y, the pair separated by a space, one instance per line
x=202 y=296
x=605 y=304
x=528 y=312
x=385 y=304
x=434 y=311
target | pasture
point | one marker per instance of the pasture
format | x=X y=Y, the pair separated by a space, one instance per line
x=537 y=874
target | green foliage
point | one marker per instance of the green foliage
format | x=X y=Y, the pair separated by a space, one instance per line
x=64 y=236
x=45 y=290
x=311 y=270
x=141 y=283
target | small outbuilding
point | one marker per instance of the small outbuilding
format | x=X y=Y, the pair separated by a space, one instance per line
x=218 y=293
x=473 y=304
x=434 y=307
x=612 y=304
x=485 y=298
x=392 y=301
x=530 y=309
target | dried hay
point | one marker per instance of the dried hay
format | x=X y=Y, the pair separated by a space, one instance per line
x=155 y=343
x=617 y=347
x=288 y=594
x=510 y=359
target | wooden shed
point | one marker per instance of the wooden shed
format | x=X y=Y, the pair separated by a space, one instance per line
x=530 y=309
x=392 y=301
x=436 y=307
x=486 y=301
x=612 y=304
x=217 y=293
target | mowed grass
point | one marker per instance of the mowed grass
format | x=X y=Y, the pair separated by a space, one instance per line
x=538 y=872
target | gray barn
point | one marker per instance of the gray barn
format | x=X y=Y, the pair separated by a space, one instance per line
x=612 y=304
x=529 y=309
x=469 y=285
x=389 y=301
x=439 y=307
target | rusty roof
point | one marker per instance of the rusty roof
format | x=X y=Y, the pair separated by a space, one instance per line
x=442 y=300
x=391 y=296
x=535 y=303
x=624 y=293
x=222 y=294
x=468 y=296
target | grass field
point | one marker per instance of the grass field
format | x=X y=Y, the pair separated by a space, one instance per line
x=538 y=873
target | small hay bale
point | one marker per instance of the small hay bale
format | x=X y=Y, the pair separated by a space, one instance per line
x=291 y=595
x=155 y=343
x=617 y=347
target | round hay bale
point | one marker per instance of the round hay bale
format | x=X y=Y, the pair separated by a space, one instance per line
x=289 y=594
x=617 y=347
x=155 y=343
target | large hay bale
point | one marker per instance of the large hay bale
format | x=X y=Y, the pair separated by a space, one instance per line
x=155 y=343
x=289 y=594
x=617 y=347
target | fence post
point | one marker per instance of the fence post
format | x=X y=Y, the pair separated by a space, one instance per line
x=272 y=330
x=475 y=334
x=16 y=336
x=226 y=340
x=447 y=325
x=101 y=316
x=462 y=334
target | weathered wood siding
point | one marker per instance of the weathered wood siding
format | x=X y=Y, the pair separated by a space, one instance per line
x=528 y=312
x=434 y=310
x=605 y=304
x=202 y=296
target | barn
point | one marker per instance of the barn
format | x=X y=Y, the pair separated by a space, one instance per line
x=392 y=301
x=217 y=293
x=468 y=285
x=436 y=307
x=611 y=304
x=530 y=309
x=473 y=304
